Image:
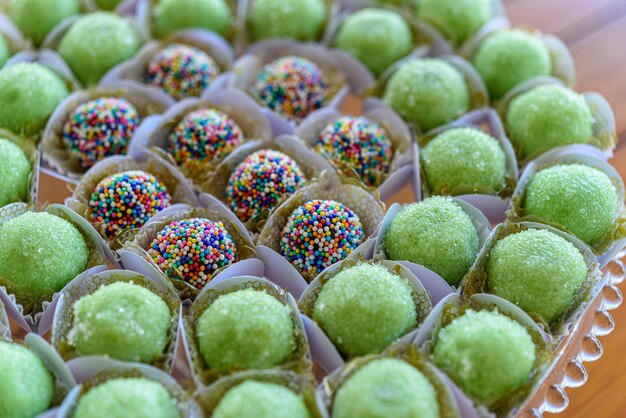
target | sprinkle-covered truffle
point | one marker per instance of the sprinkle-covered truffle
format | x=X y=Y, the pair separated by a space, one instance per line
x=192 y=250
x=437 y=234
x=456 y=19
x=27 y=387
x=359 y=144
x=174 y=15
x=181 y=71
x=100 y=128
x=385 y=388
x=580 y=198
x=291 y=86
x=546 y=117
x=36 y=18
x=253 y=399
x=428 y=92
x=126 y=201
x=246 y=329
x=466 y=157
x=318 y=234
x=487 y=354
x=204 y=134
x=303 y=20
x=260 y=181
x=537 y=270
x=365 y=308
x=14 y=173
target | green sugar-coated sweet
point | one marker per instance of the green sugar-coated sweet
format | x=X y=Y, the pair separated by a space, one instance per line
x=297 y=19
x=174 y=15
x=26 y=386
x=122 y=320
x=508 y=57
x=107 y=4
x=457 y=20
x=40 y=254
x=487 y=354
x=36 y=18
x=14 y=173
x=96 y=43
x=428 y=92
x=5 y=50
x=537 y=270
x=437 y=234
x=127 y=397
x=376 y=37
x=386 y=388
x=252 y=399
x=365 y=308
x=33 y=91
x=580 y=198
x=246 y=329
x=465 y=157
x=546 y=117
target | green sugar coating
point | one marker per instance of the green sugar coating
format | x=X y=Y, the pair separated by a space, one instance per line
x=485 y=353
x=537 y=270
x=107 y=4
x=464 y=157
x=365 y=308
x=36 y=18
x=428 y=92
x=14 y=172
x=174 y=15
x=376 y=37
x=125 y=398
x=33 y=91
x=546 y=117
x=457 y=20
x=122 y=320
x=40 y=254
x=508 y=57
x=5 y=50
x=246 y=329
x=96 y=43
x=26 y=386
x=386 y=388
x=437 y=234
x=580 y=198
x=252 y=399
x=297 y=19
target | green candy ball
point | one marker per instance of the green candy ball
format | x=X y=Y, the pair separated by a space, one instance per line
x=48 y=250
x=580 y=198
x=488 y=355
x=27 y=387
x=508 y=57
x=546 y=117
x=537 y=270
x=33 y=91
x=97 y=42
x=252 y=399
x=297 y=19
x=245 y=329
x=122 y=320
x=428 y=92
x=5 y=50
x=127 y=397
x=457 y=20
x=36 y=18
x=14 y=173
x=464 y=157
x=174 y=15
x=107 y=4
x=437 y=234
x=386 y=388
x=383 y=31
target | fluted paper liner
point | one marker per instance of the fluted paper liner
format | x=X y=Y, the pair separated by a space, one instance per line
x=12 y=34
x=5 y=326
x=32 y=153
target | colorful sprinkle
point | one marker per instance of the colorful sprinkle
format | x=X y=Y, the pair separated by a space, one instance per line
x=182 y=71
x=358 y=144
x=260 y=181
x=126 y=201
x=204 y=134
x=320 y=233
x=291 y=86
x=193 y=249
x=100 y=128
